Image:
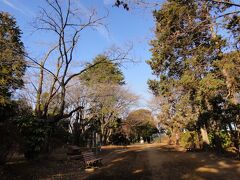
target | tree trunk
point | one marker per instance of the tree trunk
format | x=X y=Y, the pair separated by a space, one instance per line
x=39 y=93
x=205 y=139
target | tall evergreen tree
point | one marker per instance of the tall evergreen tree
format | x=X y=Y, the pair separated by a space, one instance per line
x=105 y=80
x=12 y=62
x=12 y=67
x=183 y=54
x=104 y=72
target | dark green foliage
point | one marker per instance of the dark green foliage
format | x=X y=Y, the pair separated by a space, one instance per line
x=119 y=138
x=223 y=137
x=40 y=138
x=182 y=54
x=12 y=68
x=9 y=132
x=104 y=78
x=34 y=135
x=59 y=135
x=197 y=79
x=189 y=139
x=104 y=72
x=9 y=140
x=146 y=131
x=12 y=63
x=140 y=124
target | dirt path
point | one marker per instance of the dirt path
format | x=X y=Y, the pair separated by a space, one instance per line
x=159 y=161
x=146 y=162
x=155 y=162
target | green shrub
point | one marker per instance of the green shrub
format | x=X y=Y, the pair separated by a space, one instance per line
x=8 y=141
x=34 y=136
x=189 y=139
x=59 y=134
x=118 y=139
x=10 y=138
x=224 y=137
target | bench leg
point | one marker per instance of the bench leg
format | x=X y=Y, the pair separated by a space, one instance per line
x=100 y=163
x=95 y=163
x=88 y=165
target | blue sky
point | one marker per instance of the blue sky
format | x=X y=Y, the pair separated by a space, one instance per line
x=124 y=27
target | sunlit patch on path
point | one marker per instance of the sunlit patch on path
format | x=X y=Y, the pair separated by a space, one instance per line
x=160 y=161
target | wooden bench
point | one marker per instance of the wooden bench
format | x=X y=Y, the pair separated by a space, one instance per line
x=90 y=159
x=73 y=150
x=74 y=153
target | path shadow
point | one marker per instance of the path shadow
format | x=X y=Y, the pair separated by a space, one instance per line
x=133 y=164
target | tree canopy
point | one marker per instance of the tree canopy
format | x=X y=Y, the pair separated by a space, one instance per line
x=195 y=60
x=12 y=62
x=104 y=72
x=192 y=66
x=140 y=123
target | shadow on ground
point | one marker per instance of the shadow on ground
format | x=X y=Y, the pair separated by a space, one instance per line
x=148 y=161
x=166 y=162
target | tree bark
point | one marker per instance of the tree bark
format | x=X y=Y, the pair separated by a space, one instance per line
x=205 y=139
x=39 y=92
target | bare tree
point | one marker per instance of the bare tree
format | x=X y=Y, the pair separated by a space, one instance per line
x=110 y=102
x=65 y=23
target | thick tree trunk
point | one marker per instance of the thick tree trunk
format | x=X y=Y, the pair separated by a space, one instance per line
x=205 y=139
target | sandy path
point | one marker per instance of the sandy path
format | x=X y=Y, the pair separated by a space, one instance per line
x=155 y=161
x=159 y=161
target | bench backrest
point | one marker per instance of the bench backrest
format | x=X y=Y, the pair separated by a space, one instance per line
x=88 y=156
x=74 y=150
